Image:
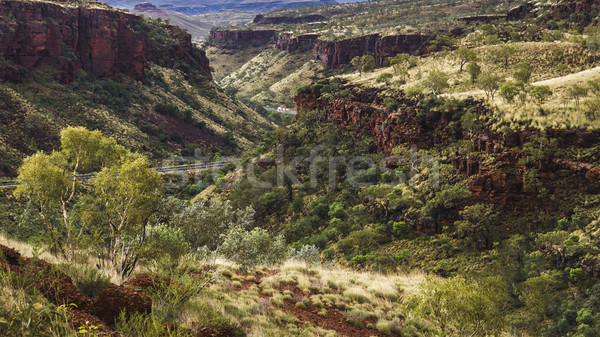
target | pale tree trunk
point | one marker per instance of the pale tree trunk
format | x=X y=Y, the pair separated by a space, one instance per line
x=50 y=229
x=68 y=227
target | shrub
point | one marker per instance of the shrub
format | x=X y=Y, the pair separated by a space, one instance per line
x=252 y=248
x=336 y=210
x=164 y=241
x=399 y=228
x=168 y=109
x=307 y=253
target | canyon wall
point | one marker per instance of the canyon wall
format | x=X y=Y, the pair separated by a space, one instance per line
x=290 y=43
x=335 y=54
x=43 y=36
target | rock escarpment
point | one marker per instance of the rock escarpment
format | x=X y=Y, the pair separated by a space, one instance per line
x=43 y=36
x=291 y=43
x=335 y=54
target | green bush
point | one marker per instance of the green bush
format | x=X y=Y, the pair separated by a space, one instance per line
x=168 y=109
x=252 y=248
x=307 y=253
x=164 y=241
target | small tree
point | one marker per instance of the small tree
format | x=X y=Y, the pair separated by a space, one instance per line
x=490 y=83
x=477 y=220
x=508 y=91
x=437 y=81
x=576 y=92
x=442 y=43
x=124 y=198
x=522 y=74
x=399 y=62
x=363 y=63
x=464 y=56
x=474 y=71
x=503 y=54
x=541 y=93
x=357 y=64
x=368 y=63
x=51 y=180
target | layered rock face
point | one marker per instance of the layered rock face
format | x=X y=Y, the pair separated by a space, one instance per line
x=334 y=54
x=275 y=20
x=42 y=36
x=291 y=43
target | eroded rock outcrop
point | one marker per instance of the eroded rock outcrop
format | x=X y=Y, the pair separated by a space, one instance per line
x=42 y=36
x=291 y=43
x=334 y=54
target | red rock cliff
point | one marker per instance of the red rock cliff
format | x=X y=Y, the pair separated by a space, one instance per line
x=39 y=36
x=290 y=43
x=334 y=54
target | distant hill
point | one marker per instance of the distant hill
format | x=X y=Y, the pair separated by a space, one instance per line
x=197 y=25
x=192 y=7
x=199 y=16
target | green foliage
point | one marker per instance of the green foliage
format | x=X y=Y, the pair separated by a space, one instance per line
x=442 y=43
x=474 y=71
x=365 y=63
x=477 y=221
x=540 y=93
x=437 y=81
x=464 y=56
x=385 y=77
x=203 y=224
x=459 y=306
x=447 y=198
x=576 y=92
x=168 y=109
x=490 y=83
x=163 y=241
x=252 y=248
x=123 y=199
x=522 y=74
x=307 y=253
x=503 y=54
x=508 y=91
x=399 y=228
x=51 y=180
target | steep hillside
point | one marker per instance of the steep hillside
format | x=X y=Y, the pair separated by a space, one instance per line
x=134 y=78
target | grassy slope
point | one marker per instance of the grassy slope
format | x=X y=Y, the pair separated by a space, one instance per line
x=273 y=76
x=391 y=16
x=561 y=109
